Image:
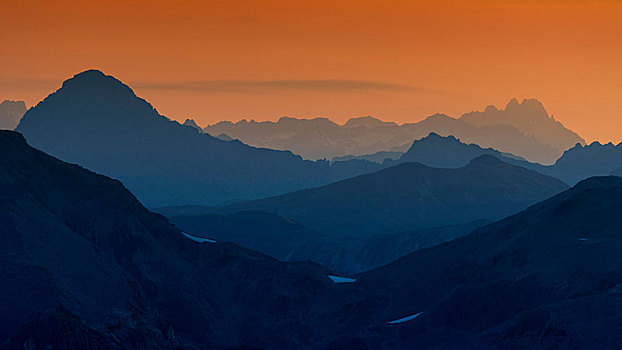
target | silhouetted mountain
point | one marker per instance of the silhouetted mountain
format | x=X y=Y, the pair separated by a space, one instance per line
x=85 y=265
x=10 y=113
x=576 y=164
x=546 y=278
x=193 y=124
x=410 y=196
x=521 y=129
x=98 y=122
x=581 y=162
x=448 y=152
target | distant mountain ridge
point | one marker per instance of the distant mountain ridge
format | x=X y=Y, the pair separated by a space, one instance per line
x=410 y=196
x=531 y=118
x=98 y=122
x=581 y=162
x=10 y=113
x=524 y=129
x=345 y=215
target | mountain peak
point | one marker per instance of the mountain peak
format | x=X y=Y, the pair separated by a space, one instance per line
x=529 y=107
x=512 y=104
x=94 y=80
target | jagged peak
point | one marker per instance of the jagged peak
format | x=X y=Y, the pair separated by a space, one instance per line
x=19 y=104
x=191 y=122
x=434 y=136
x=512 y=104
x=491 y=109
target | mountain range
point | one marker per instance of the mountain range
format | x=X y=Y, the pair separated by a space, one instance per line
x=10 y=113
x=85 y=265
x=576 y=164
x=336 y=224
x=411 y=195
x=524 y=129
x=98 y=122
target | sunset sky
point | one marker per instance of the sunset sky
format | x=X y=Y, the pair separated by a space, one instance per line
x=263 y=59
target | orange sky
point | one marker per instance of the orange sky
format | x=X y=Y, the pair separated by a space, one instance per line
x=262 y=59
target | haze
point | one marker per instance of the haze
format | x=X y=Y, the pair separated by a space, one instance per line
x=396 y=60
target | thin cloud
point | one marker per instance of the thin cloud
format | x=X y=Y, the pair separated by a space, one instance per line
x=233 y=85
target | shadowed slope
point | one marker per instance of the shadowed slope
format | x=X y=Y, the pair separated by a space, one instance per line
x=84 y=261
x=411 y=195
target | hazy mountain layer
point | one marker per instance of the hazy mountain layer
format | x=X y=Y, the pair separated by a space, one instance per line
x=524 y=129
x=10 y=113
x=546 y=278
x=531 y=118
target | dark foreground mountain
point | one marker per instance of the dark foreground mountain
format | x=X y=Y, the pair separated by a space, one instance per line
x=366 y=221
x=98 y=122
x=524 y=129
x=547 y=278
x=10 y=113
x=85 y=266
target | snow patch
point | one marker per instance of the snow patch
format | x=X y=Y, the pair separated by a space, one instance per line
x=197 y=239
x=338 y=279
x=406 y=319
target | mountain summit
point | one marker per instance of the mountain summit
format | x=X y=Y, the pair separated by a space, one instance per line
x=531 y=118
